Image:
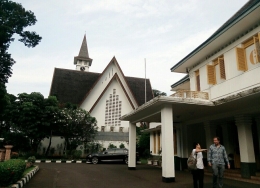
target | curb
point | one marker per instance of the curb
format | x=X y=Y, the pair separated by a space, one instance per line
x=25 y=179
x=60 y=161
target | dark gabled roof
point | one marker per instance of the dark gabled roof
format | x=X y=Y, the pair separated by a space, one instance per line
x=184 y=79
x=234 y=18
x=137 y=86
x=72 y=86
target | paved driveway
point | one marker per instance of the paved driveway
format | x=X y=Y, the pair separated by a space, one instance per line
x=52 y=175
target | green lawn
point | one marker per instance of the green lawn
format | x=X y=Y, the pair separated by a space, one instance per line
x=28 y=170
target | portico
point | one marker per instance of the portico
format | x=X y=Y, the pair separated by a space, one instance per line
x=200 y=120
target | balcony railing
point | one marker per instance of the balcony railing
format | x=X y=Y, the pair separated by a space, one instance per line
x=191 y=94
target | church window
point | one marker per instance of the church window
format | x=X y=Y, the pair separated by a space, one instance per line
x=112 y=106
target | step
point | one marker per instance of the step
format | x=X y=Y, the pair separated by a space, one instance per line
x=254 y=179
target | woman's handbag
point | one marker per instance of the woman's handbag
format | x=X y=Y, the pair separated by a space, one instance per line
x=192 y=162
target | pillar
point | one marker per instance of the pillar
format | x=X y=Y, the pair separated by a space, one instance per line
x=168 y=172
x=2 y=154
x=257 y=119
x=246 y=146
x=210 y=131
x=132 y=147
x=8 y=152
x=178 y=165
x=184 y=146
x=226 y=138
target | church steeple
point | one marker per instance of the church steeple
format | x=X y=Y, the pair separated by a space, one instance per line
x=82 y=61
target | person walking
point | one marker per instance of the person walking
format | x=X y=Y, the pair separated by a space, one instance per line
x=198 y=174
x=217 y=156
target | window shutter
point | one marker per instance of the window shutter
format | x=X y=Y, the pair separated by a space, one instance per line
x=257 y=48
x=241 y=59
x=198 y=82
x=222 y=68
x=211 y=74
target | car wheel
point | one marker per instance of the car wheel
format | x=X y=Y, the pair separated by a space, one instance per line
x=94 y=160
x=126 y=160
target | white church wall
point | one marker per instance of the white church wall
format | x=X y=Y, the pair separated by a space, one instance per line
x=101 y=85
x=57 y=143
x=105 y=144
x=99 y=112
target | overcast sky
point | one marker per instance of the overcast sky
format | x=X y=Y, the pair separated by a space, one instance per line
x=162 y=31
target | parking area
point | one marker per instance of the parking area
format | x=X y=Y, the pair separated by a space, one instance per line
x=52 y=175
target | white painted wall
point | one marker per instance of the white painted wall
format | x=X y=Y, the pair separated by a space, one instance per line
x=105 y=144
x=99 y=110
x=236 y=81
x=101 y=85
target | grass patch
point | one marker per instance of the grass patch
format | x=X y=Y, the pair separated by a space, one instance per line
x=28 y=170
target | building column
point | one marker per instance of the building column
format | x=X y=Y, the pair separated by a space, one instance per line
x=257 y=119
x=168 y=172
x=132 y=147
x=185 y=141
x=8 y=152
x=210 y=131
x=178 y=165
x=246 y=146
x=226 y=138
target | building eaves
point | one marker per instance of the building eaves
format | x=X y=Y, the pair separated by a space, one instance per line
x=248 y=7
x=181 y=81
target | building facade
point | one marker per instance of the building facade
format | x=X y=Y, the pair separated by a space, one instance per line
x=106 y=96
x=219 y=96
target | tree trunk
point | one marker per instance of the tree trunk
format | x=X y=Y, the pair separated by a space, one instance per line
x=48 y=149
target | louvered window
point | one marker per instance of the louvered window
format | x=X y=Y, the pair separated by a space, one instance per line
x=257 y=47
x=241 y=59
x=222 y=67
x=211 y=74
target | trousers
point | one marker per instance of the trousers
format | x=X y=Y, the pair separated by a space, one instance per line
x=198 y=177
x=218 y=173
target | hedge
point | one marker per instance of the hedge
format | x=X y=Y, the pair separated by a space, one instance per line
x=11 y=171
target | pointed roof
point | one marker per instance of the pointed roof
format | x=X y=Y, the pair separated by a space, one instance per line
x=84 y=48
x=83 y=52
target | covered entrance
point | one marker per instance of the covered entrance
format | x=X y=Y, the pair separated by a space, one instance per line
x=235 y=120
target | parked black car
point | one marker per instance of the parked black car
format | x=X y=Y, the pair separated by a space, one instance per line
x=116 y=154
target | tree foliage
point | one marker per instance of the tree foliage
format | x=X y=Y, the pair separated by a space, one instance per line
x=13 y=20
x=77 y=127
x=158 y=93
x=32 y=115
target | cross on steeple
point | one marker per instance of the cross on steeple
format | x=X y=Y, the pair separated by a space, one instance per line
x=82 y=61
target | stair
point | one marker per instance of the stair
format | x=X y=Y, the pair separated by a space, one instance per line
x=234 y=174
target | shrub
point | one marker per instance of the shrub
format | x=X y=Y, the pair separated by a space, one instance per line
x=122 y=145
x=31 y=159
x=77 y=154
x=11 y=171
x=111 y=146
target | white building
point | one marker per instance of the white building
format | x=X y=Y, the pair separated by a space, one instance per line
x=219 y=96
x=107 y=95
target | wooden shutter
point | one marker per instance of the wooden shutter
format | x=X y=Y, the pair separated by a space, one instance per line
x=257 y=48
x=154 y=143
x=241 y=59
x=222 y=68
x=197 y=74
x=211 y=74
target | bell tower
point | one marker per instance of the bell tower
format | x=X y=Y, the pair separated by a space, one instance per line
x=82 y=61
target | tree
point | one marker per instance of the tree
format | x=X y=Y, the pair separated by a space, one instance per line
x=33 y=116
x=158 y=93
x=77 y=127
x=13 y=20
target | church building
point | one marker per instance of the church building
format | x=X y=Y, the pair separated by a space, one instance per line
x=106 y=96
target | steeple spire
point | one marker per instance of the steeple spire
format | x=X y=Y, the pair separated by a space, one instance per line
x=84 y=48
x=82 y=61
